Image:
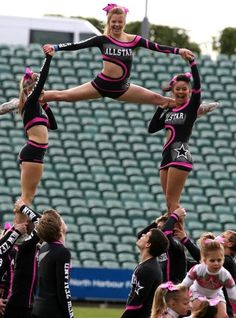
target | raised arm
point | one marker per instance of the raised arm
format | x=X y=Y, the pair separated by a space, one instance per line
x=37 y=90
x=196 y=78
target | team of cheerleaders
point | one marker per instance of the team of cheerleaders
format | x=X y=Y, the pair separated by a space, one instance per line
x=160 y=287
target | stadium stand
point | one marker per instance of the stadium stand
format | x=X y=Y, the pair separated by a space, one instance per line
x=101 y=168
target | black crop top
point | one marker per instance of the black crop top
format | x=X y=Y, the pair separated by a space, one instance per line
x=117 y=52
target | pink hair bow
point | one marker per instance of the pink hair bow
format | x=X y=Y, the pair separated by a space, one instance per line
x=7 y=226
x=220 y=239
x=168 y=285
x=28 y=73
x=173 y=81
x=110 y=6
x=212 y=302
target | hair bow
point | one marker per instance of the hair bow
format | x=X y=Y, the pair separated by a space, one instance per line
x=7 y=226
x=174 y=79
x=218 y=239
x=110 y=6
x=212 y=302
x=168 y=285
x=28 y=73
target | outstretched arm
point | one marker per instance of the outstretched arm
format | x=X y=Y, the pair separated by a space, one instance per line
x=91 y=42
x=184 y=53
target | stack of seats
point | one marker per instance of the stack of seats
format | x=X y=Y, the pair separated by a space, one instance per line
x=101 y=169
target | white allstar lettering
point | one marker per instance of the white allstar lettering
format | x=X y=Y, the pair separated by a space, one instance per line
x=182 y=152
x=138 y=288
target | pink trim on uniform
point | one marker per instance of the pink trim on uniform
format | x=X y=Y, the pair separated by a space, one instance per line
x=175 y=50
x=57 y=242
x=183 y=164
x=171 y=138
x=173 y=215
x=115 y=61
x=193 y=63
x=168 y=268
x=35 y=144
x=133 y=307
x=125 y=44
x=180 y=108
x=168 y=232
x=11 y=277
x=35 y=120
x=184 y=240
x=33 y=279
x=157 y=48
x=196 y=91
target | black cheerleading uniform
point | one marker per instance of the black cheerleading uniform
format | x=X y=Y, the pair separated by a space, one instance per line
x=53 y=297
x=179 y=121
x=116 y=52
x=6 y=251
x=20 y=303
x=6 y=272
x=32 y=115
x=8 y=240
x=173 y=262
x=146 y=278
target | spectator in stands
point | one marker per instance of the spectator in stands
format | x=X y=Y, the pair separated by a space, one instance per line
x=53 y=298
x=229 y=239
x=24 y=282
x=117 y=50
x=208 y=278
x=147 y=275
x=178 y=122
x=36 y=124
x=170 y=301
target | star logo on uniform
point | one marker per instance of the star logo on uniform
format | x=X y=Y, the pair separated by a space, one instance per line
x=182 y=152
x=138 y=288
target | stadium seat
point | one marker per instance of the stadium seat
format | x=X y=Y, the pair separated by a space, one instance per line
x=101 y=169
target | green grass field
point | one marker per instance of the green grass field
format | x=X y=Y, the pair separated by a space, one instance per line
x=98 y=312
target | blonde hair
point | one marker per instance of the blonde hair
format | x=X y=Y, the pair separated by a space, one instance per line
x=25 y=86
x=204 y=236
x=163 y=296
x=208 y=245
x=116 y=10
